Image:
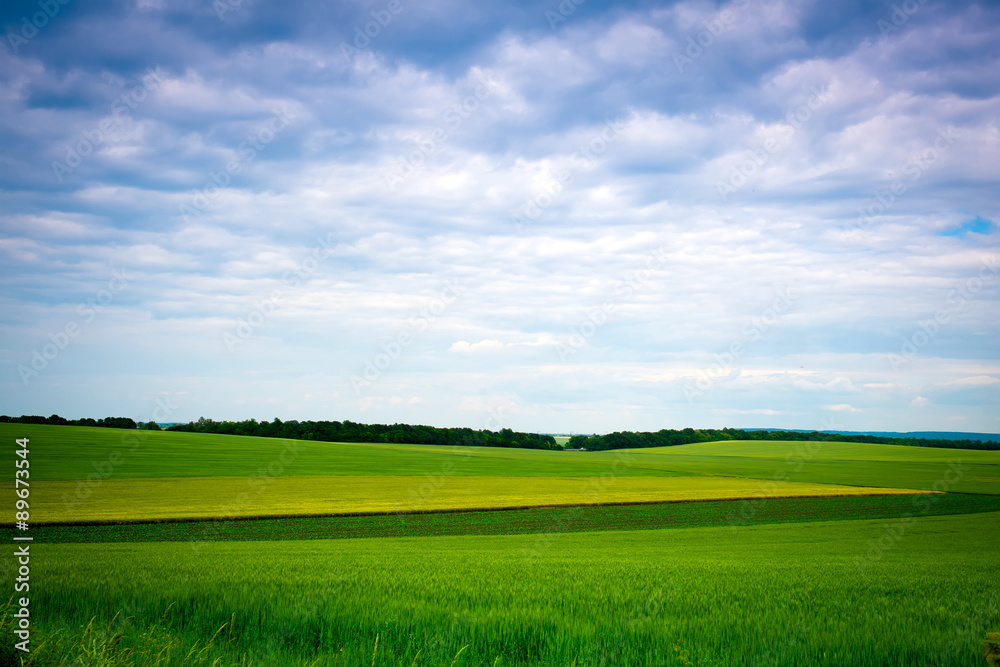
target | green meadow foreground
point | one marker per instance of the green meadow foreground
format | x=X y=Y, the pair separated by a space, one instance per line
x=777 y=595
x=795 y=553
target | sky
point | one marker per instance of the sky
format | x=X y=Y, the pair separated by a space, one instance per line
x=563 y=217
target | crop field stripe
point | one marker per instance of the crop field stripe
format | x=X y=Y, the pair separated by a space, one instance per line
x=830 y=450
x=644 y=516
x=973 y=475
x=899 y=493
x=123 y=500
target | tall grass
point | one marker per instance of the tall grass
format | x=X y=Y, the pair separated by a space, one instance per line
x=777 y=595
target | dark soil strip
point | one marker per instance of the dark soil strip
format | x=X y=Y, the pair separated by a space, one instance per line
x=540 y=520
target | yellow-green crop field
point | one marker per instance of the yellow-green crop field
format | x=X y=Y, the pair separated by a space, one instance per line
x=231 y=497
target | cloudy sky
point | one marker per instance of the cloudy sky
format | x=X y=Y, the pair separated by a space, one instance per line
x=574 y=217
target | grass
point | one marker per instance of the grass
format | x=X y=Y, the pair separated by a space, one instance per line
x=74 y=453
x=828 y=451
x=121 y=500
x=784 y=594
x=829 y=463
x=537 y=521
x=584 y=586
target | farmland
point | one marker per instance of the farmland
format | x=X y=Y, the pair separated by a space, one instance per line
x=779 y=594
x=232 y=497
x=534 y=520
x=732 y=553
x=70 y=453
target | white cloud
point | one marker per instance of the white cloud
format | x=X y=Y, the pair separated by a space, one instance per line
x=488 y=345
x=841 y=407
x=974 y=381
x=838 y=385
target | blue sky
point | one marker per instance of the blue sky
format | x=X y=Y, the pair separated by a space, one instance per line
x=568 y=217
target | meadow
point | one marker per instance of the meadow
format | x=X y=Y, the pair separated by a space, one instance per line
x=73 y=453
x=730 y=553
x=783 y=594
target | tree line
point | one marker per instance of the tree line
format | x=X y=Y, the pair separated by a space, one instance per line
x=348 y=431
x=324 y=431
x=669 y=438
x=56 y=420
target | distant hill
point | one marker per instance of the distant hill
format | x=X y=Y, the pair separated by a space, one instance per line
x=671 y=437
x=939 y=435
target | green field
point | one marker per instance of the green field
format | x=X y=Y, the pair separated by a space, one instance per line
x=537 y=520
x=784 y=594
x=829 y=463
x=70 y=453
x=73 y=453
x=769 y=553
